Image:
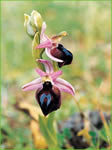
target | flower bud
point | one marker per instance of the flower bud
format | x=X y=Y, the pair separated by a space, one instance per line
x=33 y=23
x=49 y=98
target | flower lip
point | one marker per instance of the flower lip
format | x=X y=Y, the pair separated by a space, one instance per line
x=49 y=100
x=64 y=50
x=62 y=54
x=60 y=46
x=47 y=85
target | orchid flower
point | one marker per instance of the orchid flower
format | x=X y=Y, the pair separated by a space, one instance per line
x=53 y=49
x=49 y=87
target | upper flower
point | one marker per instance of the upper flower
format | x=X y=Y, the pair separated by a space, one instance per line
x=53 y=49
x=48 y=87
x=33 y=23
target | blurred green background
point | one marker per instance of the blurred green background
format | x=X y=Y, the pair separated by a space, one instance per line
x=89 y=29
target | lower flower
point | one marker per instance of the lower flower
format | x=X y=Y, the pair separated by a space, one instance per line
x=48 y=88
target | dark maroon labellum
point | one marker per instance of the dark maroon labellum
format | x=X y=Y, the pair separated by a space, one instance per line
x=63 y=54
x=49 y=98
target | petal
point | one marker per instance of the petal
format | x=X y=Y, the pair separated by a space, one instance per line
x=34 y=85
x=65 y=86
x=48 y=53
x=43 y=30
x=47 y=64
x=45 y=44
x=57 y=38
x=56 y=74
x=40 y=72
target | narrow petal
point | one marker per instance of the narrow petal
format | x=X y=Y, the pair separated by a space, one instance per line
x=45 y=44
x=56 y=74
x=48 y=53
x=64 y=86
x=34 y=85
x=40 y=72
x=47 y=64
x=43 y=30
x=57 y=38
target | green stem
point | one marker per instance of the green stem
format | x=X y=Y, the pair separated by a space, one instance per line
x=43 y=122
x=55 y=66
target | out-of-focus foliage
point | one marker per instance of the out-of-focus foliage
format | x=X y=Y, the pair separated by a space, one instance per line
x=88 y=25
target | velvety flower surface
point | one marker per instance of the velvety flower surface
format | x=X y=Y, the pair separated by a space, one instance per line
x=53 y=49
x=63 y=54
x=48 y=87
